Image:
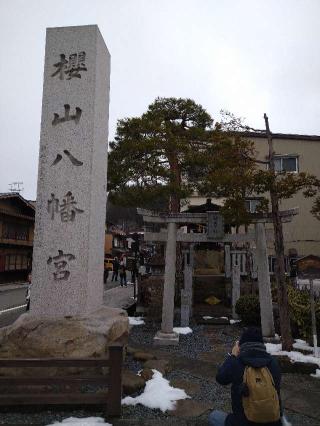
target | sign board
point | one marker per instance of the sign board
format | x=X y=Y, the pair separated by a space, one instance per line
x=215 y=226
x=308 y=267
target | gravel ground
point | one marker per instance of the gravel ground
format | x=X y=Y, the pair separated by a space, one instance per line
x=190 y=346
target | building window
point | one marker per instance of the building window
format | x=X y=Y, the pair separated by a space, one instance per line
x=252 y=204
x=16 y=262
x=13 y=231
x=272 y=264
x=286 y=163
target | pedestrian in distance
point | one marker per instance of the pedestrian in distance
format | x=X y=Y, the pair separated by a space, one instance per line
x=134 y=270
x=115 y=269
x=255 y=379
x=123 y=274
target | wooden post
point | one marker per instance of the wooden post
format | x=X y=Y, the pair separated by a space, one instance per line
x=115 y=380
x=313 y=317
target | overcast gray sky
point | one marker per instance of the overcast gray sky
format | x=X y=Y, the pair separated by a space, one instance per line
x=246 y=56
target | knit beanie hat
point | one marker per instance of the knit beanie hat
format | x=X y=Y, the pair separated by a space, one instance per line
x=251 y=334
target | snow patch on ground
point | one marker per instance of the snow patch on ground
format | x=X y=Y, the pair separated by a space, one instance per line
x=207 y=317
x=285 y=421
x=232 y=321
x=317 y=375
x=87 y=421
x=294 y=356
x=157 y=394
x=303 y=345
x=136 y=320
x=182 y=330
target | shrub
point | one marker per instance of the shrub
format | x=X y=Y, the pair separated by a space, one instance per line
x=248 y=309
x=300 y=313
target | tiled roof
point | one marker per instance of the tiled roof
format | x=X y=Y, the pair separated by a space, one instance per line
x=5 y=195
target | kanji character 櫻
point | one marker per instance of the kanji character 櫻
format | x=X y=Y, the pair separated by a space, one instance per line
x=76 y=64
x=67 y=208
x=61 y=67
x=60 y=262
x=71 y=68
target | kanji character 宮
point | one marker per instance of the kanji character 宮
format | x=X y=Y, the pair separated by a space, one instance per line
x=60 y=262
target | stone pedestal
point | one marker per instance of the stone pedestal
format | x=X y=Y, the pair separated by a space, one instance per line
x=31 y=336
x=267 y=323
x=166 y=339
x=67 y=276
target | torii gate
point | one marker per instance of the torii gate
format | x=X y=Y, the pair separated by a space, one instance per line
x=215 y=233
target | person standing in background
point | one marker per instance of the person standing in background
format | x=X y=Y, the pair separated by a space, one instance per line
x=115 y=269
x=123 y=274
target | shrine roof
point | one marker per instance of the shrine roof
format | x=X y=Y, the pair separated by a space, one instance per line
x=203 y=208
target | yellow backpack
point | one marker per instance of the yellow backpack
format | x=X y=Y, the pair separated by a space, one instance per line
x=261 y=405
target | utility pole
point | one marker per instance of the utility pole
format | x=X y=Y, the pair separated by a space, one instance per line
x=280 y=273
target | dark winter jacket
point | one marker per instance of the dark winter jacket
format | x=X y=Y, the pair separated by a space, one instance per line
x=116 y=265
x=231 y=372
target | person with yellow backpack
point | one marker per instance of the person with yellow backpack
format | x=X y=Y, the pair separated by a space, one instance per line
x=255 y=379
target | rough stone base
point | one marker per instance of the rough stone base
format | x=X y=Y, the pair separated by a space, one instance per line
x=89 y=335
x=166 y=339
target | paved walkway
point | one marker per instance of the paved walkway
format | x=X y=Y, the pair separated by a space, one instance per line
x=119 y=297
x=13 y=286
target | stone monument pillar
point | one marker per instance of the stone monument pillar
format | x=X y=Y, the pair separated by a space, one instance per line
x=227 y=261
x=236 y=282
x=166 y=336
x=67 y=274
x=186 y=292
x=267 y=323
